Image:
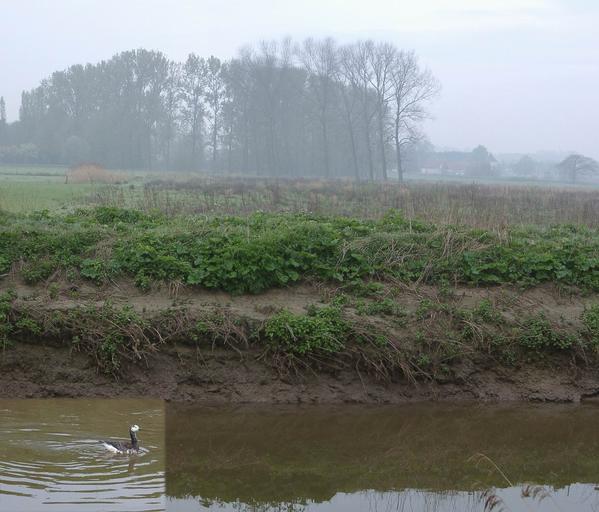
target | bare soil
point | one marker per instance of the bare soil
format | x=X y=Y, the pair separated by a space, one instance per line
x=222 y=376
x=217 y=375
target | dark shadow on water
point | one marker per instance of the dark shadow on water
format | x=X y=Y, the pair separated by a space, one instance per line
x=260 y=458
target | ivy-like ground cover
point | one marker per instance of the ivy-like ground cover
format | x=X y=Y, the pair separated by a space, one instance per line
x=265 y=250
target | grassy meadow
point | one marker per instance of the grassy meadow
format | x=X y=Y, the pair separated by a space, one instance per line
x=478 y=204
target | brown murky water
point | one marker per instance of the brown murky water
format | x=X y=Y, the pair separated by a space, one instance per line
x=50 y=459
x=426 y=457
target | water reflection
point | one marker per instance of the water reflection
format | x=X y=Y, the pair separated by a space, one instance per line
x=50 y=458
x=412 y=458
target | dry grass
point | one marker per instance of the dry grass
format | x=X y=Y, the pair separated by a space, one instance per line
x=476 y=205
x=92 y=173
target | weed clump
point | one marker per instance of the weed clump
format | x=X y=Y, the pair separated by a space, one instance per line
x=321 y=330
x=537 y=334
x=6 y=327
x=590 y=321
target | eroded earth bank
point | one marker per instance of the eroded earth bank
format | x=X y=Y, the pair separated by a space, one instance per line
x=382 y=343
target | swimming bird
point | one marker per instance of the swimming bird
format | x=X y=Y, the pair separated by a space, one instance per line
x=124 y=446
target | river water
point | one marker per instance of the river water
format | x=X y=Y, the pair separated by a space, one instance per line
x=424 y=457
x=50 y=458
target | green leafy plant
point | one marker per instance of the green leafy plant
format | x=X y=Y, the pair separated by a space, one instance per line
x=536 y=333
x=486 y=312
x=322 y=330
x=266 y=250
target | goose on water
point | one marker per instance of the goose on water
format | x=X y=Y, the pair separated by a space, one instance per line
x=127 y=447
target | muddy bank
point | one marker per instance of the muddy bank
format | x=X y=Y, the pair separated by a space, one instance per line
x=224 y=376
x=396 y=345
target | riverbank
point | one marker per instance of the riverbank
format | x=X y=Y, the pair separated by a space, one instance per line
x=224 y=377
x=387 y=343
x=295 y=307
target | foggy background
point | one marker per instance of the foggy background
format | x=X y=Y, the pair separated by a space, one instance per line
x=516 y=75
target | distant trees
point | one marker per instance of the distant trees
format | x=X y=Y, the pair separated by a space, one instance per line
x=575 y=165
x=76 y=150
x=192 y=92
x=2 y=111
x=214 y=98
x=481 y=162
x=320 y=61
x=114 y=109
x=2 y=118
x=279 y=108
x=525 y=166
x=171 y=111
x=19 y=154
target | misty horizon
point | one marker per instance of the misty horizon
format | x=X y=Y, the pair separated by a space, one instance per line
x=518 y=77
x=542 y=153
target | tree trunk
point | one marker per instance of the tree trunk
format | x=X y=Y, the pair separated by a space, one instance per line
x=325 y=141
x=367 y=134
x=398 y=150
x=193 y=149
x=214 y=137
x=382 y=142
x=352 y=137
x=398 y=157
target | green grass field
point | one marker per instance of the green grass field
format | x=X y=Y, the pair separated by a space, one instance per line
x=27 y=196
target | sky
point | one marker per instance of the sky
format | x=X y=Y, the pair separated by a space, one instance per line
x=517 y=76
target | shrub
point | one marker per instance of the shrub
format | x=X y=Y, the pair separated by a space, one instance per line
x=322 y=330
x=537 y=334
x=94 y=270
x=38 y=270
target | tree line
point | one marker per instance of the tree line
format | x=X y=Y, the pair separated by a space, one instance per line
x=314 y=108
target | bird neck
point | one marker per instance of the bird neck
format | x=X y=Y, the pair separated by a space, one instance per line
x=133 y=439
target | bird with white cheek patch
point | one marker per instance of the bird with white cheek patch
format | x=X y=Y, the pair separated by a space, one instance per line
x=124 y=447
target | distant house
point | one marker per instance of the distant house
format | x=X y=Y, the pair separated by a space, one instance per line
x=446 y=162
x=460 y=163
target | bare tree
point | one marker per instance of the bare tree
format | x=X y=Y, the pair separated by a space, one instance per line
x=357 y=72
x=575 y=165
x=348 y=108
x=412 y=89
x=320 y=60
x=382 y=58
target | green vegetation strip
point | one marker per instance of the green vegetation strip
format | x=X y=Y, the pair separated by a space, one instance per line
x=266 y=250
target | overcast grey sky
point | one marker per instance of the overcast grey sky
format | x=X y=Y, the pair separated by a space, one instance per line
x=517 y=75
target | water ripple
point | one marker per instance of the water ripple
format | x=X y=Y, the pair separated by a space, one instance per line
x=58 y=464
